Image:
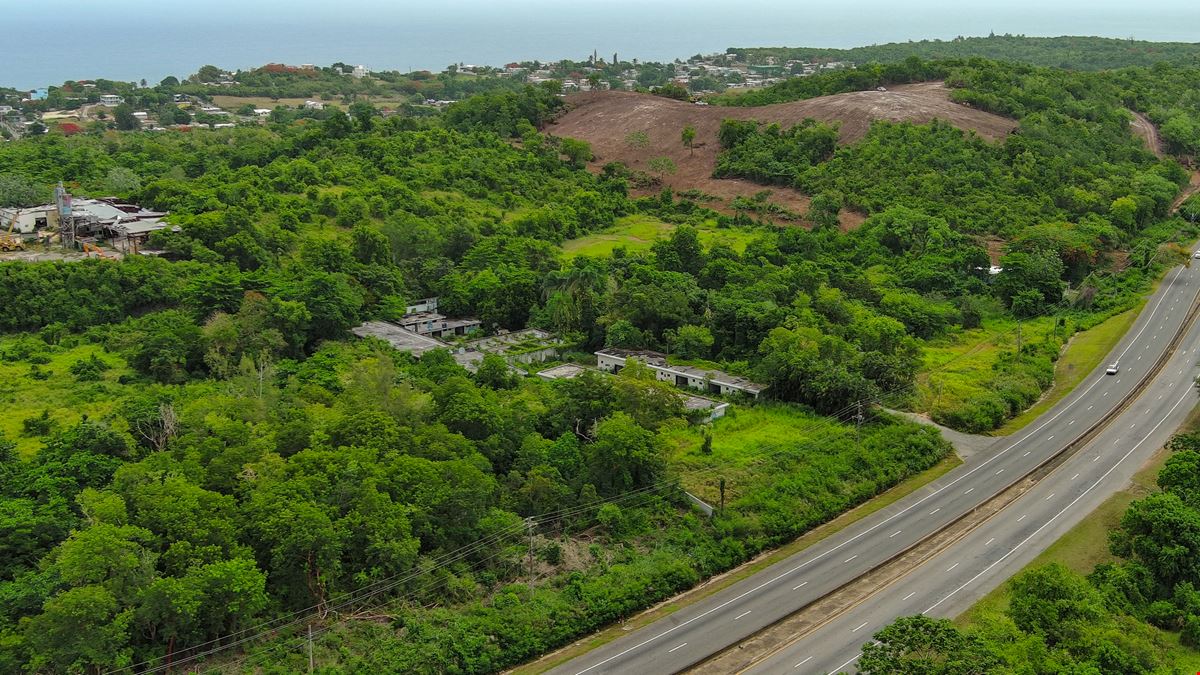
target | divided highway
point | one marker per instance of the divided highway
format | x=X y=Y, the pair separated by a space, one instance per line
x=692 y=634
x=951 y=581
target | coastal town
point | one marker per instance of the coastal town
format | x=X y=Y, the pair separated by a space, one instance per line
x=217 y=98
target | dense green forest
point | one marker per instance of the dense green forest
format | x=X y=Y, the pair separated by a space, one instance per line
x=1123 y=617
x=1070 y=52
x=252 y=468
x=1068 y=190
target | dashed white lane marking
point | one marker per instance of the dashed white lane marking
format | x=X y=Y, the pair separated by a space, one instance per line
x=1000 y=472
x=894 y=533
x=850 y=558
x=1052 y=437
x=1132 y=425
x=742 y=614
x=843 y=666
x=1048 y=522
x=1050 y=497
x=1096 y=458
x=908 y=596
x=702 y=615
x=1071 y=422
x=1022 y=518
x=989 y=541
x=860 y=627
x=1091 y=406
x=1075 y=476
x=678 y=646
x=797 y=587
x=935 y=510
x=1026 y=453
x=803 y=662
x=951 y=567
x=969 y=491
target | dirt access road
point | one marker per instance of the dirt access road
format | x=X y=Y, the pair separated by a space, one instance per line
x=604 y=119
x=1145 y=129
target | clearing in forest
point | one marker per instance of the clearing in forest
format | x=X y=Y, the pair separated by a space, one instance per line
x=638 y=232
x=605 y=119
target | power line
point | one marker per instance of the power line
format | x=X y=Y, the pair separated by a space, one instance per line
x=375 y=588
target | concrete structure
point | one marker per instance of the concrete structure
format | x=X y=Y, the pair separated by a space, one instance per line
x=426 y=305
x=530 y=345
x=691 y=403
x=314 y=105
x=111 y=100
x=399 y=338
x=29 y=220
x=437 y=325
x=952 y=580
x=91 y=217
x=711 y=381
x=360 y=72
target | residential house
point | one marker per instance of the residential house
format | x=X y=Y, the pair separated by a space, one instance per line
x=111 y=100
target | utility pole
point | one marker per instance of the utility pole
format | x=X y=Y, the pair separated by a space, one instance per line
x=310 y=656
x=858 y=420
x=529 y=529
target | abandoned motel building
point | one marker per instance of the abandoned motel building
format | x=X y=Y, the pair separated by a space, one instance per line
x=423 y=328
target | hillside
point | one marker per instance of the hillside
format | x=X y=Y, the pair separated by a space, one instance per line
x=605 y=119
x=1072 y=52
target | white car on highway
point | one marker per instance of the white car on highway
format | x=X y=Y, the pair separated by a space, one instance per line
x=1113 y=368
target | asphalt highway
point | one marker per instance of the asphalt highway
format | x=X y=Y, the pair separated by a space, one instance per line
x=691 y=634
x=951 y=581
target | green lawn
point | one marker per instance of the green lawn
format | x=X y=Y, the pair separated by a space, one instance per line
x=23 y=396
x=638 y=232
x=1086 y=545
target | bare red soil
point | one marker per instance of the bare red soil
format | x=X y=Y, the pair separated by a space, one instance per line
x=604 y=119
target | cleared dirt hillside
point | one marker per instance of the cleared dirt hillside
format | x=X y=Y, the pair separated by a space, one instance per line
x=606 y=118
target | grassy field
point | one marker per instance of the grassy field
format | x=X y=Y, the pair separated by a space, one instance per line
x=638 y=232
x=1084 y=352
x=740 y=439
x=958 y=366
x=23 y=396
x=1086 y=545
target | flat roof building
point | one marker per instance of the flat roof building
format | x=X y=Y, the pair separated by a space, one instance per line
x=712 y=381
x=399 y=338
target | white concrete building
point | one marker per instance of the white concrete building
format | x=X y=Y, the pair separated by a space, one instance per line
x=711 y=381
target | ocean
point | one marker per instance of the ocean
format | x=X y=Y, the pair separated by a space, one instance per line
x=51 y=41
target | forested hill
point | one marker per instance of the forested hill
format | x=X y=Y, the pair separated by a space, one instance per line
x=1072 y=52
